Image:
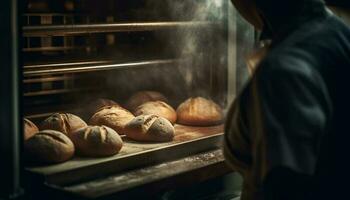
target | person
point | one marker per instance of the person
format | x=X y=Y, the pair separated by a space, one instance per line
x=285 y=133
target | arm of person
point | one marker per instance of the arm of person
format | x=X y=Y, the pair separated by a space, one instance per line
x=274 y=129
x=236 y=144
x=294 y=113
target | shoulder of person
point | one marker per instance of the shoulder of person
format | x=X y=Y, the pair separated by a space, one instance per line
x=286 y=61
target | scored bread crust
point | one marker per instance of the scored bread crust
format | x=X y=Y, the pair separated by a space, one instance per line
x=96 y=141
x=114 y=117
x=64 y=122
x=142 y=97
x=158 y=108
x=150 y=128
x=30 y=129
x=199 y=112
x=96 y=105
x=49 y=146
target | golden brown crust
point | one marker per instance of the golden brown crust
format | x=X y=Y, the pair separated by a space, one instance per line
x=40 y=6
x=142 y=97
x=96 y=105
x=49 y=146
x=150 y=128
x=114 y=117
x=158 y=108
x=63 y=122
x=96 y=141
x=30 y=129
x=199 y=112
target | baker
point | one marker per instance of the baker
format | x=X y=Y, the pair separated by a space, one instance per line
x=284 y=132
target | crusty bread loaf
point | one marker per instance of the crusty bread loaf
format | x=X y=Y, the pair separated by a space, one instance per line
x=158 y=108
x=143 y=97
x=96 y=105
x=63 y=122
x=150 y=128
x=114 y=117
x=38 y=6
x=96 y=141
x=199 y=112
x=49 y=146
x=29 y=129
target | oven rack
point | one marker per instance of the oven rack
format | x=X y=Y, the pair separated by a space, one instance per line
x=79 y=29
x=49 y=79
x=53 y=48
x=79 y=67
x=59 y=91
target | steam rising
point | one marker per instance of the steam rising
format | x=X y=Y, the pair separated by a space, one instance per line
x=196 y=45
x=201 y=49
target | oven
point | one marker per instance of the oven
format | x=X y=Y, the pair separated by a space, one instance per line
x=59 y=56
x=62 y=55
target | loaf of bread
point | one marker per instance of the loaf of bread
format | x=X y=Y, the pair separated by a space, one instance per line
x=38 y=6
x=114 y=117
x=143 y=97
x=199 y=112
x=158 y=108
x=150 y=128
x=63 y=122
x=96 y=105
x=48 y=146
x=96 y=141
x=29 y=129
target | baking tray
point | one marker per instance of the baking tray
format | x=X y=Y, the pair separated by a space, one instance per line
x=187 y=141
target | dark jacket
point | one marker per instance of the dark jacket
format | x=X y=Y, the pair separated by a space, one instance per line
x=282 y=132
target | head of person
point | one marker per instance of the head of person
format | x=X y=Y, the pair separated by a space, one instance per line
x=274 y=14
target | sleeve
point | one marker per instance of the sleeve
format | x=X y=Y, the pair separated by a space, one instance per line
x=236 y=145
x=293 y=106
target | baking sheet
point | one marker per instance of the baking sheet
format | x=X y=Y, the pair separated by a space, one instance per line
x=187 y=140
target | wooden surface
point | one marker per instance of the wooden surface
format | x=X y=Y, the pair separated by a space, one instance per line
x=183 y=134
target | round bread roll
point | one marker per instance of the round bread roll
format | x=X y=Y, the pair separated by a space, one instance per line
x=158 y=108
x=96 y=141
x=69 y=5
x=143 y=97
x=96 y=105
x=114 y=117
x=65 y=123
x=150 y=128
x=38 y=6
x=199 y=112
x=29 y=128
x=49 y=146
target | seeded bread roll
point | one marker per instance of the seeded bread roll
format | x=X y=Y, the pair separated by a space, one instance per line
x=49 y=146
x=114 y=117
x=143 y=97
x=150 y=128
x=30 y=129
x=158 y=108
x=63 y=122
x=97 y=141
x=199 y=112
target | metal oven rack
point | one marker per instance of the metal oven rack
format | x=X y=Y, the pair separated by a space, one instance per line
x=46 y=73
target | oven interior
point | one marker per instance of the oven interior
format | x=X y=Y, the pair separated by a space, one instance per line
x=77 y=51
